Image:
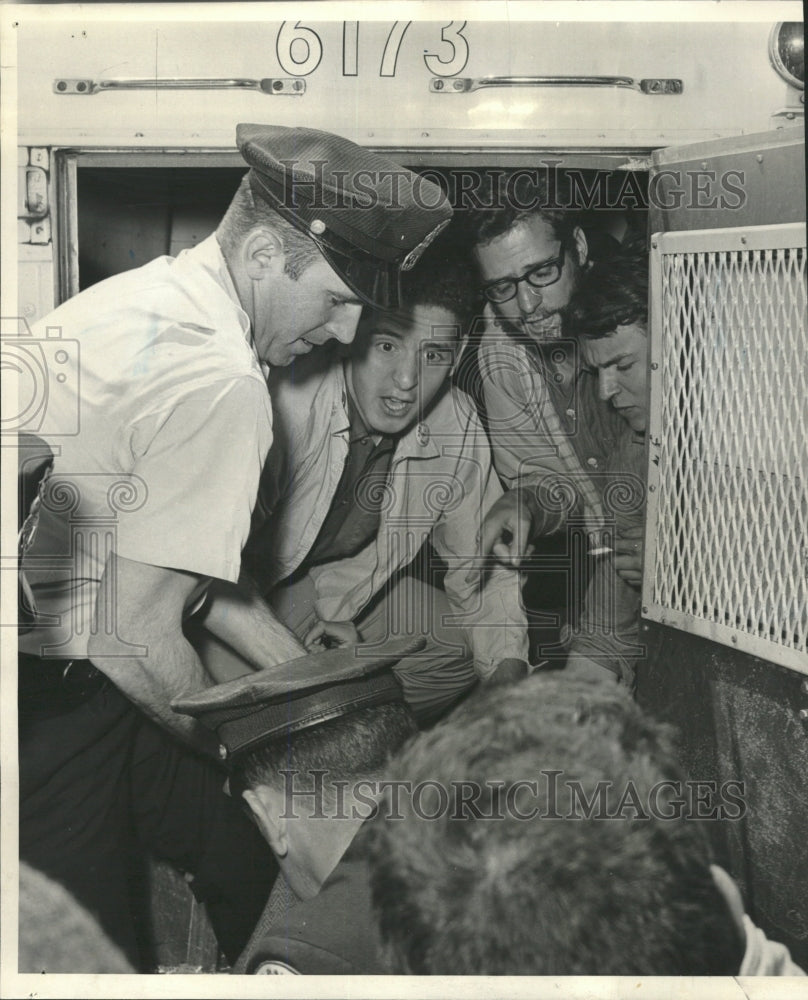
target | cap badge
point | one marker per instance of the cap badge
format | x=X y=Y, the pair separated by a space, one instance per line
x=412 y=257
x=422 y=435
x=317 y=226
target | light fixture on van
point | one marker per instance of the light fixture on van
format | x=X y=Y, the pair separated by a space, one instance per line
x=787 y=52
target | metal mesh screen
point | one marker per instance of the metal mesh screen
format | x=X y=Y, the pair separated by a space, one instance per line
x=727 y=534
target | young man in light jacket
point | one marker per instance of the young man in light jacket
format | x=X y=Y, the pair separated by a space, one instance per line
x=375 y=453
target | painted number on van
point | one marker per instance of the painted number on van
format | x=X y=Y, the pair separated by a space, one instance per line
x=393 y=44
x=455 y=48
x=300 y=49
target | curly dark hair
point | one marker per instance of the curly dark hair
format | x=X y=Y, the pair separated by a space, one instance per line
x=612 y=293
x=444 y=277
x=506 y=198
x=479 y=889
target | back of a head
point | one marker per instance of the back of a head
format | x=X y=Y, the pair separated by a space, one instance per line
x=357 y=745
x=548 y=853
x=56 y=933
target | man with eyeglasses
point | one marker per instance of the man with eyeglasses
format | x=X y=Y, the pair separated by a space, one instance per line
x=551 y=433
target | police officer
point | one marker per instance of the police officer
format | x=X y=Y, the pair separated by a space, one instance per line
x=307 y=743
x=143 y=518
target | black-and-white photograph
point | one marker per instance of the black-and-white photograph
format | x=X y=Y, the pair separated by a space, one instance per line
x=405 y=437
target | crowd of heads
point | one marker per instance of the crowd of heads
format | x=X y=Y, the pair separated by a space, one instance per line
x=518 y=219
x=479 y=890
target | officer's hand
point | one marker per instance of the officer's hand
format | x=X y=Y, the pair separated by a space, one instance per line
x=327 y=635
x=507 y=529
x=628 y=549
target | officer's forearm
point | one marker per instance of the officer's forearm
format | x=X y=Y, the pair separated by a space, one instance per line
x=246 y=623
x=166 y=669
x=147 y=603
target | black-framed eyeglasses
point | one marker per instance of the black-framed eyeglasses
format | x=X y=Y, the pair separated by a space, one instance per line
x=538 y=276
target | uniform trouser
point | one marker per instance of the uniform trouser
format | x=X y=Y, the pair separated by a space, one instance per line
x=434 y=679
x=101 y=784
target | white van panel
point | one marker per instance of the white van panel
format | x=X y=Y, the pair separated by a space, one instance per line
x=729 y=87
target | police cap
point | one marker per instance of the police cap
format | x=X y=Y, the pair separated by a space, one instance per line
x=289 y=697
x=370 y=217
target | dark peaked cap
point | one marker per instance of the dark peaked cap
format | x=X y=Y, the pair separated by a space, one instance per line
x=370 y=217
x=298 y=694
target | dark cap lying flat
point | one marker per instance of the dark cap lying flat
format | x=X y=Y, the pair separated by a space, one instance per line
x=369 y=216
x=298 y=694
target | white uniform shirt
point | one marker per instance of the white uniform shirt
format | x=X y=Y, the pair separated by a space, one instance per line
x=168 y=425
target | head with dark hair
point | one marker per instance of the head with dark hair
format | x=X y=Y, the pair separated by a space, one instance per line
x=613 y=293
x=444 y=277
x=522 y=872
x=301 y=788
x=610 y=316
x=351 y=746
x=529 y=247
x=400 y=362
x=503 y=199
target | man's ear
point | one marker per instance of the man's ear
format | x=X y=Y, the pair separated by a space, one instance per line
x=581 y=246
x=262 y=252
x=268 y=816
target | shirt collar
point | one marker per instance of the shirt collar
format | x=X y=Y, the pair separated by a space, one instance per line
x=357 y=428
x=208 y=257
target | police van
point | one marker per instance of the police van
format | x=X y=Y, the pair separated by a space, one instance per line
x=686 y=123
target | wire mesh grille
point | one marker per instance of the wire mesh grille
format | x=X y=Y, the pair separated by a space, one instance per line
x=730 y=439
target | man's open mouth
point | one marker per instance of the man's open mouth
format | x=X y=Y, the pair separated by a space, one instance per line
x=397 y=407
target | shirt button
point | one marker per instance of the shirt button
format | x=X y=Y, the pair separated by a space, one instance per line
x=592 y=463
x=570 y=412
